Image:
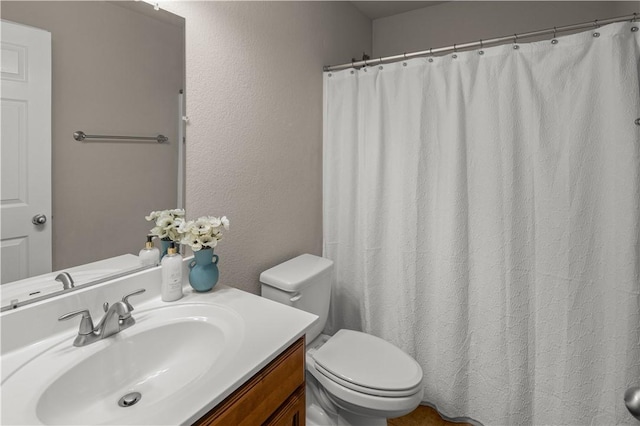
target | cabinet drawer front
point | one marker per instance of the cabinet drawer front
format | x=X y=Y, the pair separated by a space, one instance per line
x=291 y=413
x=254 y=402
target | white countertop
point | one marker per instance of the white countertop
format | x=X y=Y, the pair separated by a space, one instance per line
x=268 y=329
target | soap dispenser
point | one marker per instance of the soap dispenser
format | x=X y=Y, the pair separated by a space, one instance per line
x=171 y=275
x=149 y=255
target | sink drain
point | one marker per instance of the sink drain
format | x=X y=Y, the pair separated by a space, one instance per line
x=130 y=399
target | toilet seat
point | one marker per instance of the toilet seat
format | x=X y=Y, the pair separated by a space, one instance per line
x=365 y=404
x=367 y=364
x=369 y=391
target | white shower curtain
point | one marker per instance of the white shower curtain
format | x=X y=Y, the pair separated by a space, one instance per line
x=483 y=215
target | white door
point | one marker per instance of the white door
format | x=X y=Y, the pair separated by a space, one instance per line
x=25 y=151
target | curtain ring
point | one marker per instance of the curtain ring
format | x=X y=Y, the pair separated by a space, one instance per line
x=635 y=17
x=455 y=49
x=596 y=34
x=481 y=52
x=515 y=41
x=554 y=40
x=405 y=55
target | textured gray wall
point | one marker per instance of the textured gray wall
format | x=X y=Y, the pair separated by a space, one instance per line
x=254 y=100
x=115 y=71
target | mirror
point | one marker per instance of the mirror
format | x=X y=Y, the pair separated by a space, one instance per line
x=116 y=69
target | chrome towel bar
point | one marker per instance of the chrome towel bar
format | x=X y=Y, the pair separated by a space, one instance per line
x=81 y=136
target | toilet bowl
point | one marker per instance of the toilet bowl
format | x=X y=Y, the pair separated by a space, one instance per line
x=353 y=378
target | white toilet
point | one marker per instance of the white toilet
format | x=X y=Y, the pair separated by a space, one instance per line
x=354 y=378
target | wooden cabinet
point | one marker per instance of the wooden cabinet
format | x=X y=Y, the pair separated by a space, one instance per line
x=274 y=396
x=291 y=413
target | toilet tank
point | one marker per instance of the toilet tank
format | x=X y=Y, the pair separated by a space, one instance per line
x=303 y=282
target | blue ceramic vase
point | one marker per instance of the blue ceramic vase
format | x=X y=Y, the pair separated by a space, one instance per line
x=164 y=246
x=203 y=274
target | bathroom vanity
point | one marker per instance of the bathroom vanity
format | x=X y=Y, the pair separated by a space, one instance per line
x=274 y=396
x=222 y=357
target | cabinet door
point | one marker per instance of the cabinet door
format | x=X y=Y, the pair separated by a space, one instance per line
x=291 y=413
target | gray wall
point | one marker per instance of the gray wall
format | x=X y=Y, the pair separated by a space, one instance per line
x=254 y=100
x=115 y=71
x=462 y=21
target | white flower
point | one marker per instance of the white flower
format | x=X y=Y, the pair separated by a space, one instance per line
x=164 y=221
x=168 y=223
x=208 y=241
x=214 y=221
x=225 y=222
x=185 y=226
x=159 y=232
x=202 y=226
x=204 y=232
x=152 y=216
x=173 y=234
x=188 y=239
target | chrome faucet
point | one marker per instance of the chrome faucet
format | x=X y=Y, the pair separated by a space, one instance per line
x=66 y=280
x=116 y=318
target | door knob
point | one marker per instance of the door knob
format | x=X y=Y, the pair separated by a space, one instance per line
x=632 y=400
x=39 y=219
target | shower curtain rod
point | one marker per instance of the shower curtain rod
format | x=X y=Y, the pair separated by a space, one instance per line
x=482 y=43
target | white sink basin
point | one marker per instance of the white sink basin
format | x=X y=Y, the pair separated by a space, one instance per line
x=169 y=349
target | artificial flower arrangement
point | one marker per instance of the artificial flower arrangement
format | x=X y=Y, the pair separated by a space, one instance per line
x=167 y=223
x=204 y=232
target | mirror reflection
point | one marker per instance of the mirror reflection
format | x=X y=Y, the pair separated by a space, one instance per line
x=103 y=68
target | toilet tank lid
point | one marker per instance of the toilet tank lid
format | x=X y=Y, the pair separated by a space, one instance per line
x=295 y=273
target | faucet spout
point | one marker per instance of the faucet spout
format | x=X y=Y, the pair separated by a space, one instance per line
x=66 y=280
x=113 y=320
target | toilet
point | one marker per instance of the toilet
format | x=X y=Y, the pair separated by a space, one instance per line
x=353 y=378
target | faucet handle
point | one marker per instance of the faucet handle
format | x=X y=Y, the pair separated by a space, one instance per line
x=86 y=324
x=125 y=299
